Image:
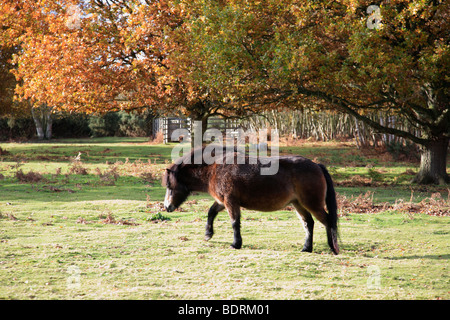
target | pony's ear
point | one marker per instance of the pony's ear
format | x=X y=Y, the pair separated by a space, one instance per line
x=165 y=178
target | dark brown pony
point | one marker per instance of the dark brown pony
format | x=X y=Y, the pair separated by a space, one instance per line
x=299 y=181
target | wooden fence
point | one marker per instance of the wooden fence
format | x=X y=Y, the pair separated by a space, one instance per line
x=168 y=125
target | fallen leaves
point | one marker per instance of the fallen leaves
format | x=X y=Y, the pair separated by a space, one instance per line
x=435 y=205
x=30 y=177
x=363 y=203
x=4 y=152
x=57 y=189
x=355 y=181
x=8 y=216
x=109 y=219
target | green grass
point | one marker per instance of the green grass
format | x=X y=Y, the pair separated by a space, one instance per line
x=92 y=236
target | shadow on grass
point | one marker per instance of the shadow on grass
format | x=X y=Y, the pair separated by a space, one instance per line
x=425 y=256
x=84 y=188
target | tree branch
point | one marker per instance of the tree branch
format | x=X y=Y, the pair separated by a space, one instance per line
x=350 y=107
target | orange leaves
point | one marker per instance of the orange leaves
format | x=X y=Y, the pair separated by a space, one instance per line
x=103 y=55
x=82 y=55
x=87 y=57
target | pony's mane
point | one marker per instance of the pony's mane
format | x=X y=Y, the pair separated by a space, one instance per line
x=188 y=160
x=190 y=157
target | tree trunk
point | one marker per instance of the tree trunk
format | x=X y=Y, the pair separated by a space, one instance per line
x=195 y=129
x=42 y=117
x=49 y=123
x=38 y=124
x=433 y=163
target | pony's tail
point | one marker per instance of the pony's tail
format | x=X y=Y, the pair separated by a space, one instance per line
x=332 y=217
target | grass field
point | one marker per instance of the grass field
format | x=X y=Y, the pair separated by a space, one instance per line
x=95 y=229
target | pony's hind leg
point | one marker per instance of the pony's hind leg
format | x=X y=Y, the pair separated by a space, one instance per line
x=324 y=218
x=212 y=213
x=308 y=225
x=234 y=211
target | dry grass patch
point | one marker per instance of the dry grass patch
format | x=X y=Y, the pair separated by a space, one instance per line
x=435 y=205
x=30 y=177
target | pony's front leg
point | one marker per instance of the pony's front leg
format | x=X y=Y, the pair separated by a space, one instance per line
x=212 y=213
x=234 y=210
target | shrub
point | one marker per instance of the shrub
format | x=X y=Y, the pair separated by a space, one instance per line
x=16 y=128
x=30 y=177
x=77 y=168
x=158 y=217
x=74 y=125
x=133 y=124
x=104 y=125
x=403 y=151
x=71 y=125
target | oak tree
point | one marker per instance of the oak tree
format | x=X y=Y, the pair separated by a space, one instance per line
x=106 y=55
x=353 y=56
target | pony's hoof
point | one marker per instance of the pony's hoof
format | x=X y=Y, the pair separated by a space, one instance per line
x=208 y=237
x=335 y=252
x=234 y=246
x=307 y=250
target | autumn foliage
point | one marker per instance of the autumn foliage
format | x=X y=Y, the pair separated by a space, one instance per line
x=85 y=58
x=236 y=57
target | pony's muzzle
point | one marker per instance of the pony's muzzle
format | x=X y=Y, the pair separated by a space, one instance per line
x=170 y=208
x=168 y=201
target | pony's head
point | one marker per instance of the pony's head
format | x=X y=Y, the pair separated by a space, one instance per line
x=176 y=192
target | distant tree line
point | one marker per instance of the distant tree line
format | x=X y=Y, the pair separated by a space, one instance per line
x=291 y=124
x=76 y=125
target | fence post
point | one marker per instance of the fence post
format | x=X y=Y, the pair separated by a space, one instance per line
x=165 y=130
